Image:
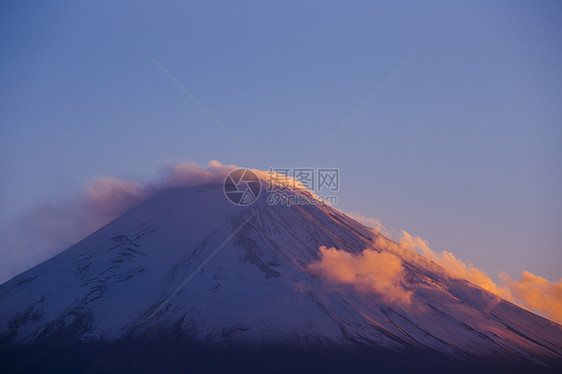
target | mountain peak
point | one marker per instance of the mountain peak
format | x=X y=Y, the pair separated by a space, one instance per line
x=188 y=262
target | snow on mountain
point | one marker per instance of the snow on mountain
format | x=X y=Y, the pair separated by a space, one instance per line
x=189 y=263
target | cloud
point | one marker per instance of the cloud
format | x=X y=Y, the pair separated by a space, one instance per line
x=190 y=174
x=108 y=197
x=374 y=223
x=369 y=271
x=531 y=292
x=536 y=293
x=455 y=267
x=53 y=226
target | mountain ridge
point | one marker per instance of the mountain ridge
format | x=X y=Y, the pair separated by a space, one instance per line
x=187 y=263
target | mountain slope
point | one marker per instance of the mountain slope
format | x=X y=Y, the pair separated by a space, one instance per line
x=189 y=264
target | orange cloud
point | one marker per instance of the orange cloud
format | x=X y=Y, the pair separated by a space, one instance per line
x=374 y=223
x=454 y=266
x=188 y=174
x=532 y=292
x=369 y=271
x=536 y=293
x=108 y=197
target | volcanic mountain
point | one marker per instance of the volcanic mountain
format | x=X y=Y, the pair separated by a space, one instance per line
x=187 y=281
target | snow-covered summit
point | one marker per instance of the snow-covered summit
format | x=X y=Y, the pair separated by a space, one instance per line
x=190 y=263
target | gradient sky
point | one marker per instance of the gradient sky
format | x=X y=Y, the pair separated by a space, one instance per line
x=461 y=147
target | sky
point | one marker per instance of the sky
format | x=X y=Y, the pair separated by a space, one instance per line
x=444 y=118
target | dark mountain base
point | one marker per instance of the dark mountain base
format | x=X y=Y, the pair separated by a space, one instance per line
x=165 y=356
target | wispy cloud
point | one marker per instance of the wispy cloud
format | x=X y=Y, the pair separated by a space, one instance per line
x=454 y=266
x=53 y=226
x=536 y=293
x=531 y=291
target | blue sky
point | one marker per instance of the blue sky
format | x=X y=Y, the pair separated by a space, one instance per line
x=461 y=147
